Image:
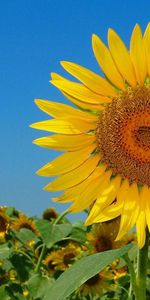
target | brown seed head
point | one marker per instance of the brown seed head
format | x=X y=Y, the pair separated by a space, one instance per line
x=123 y=135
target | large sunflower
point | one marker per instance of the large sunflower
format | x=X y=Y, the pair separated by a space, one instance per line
x=106 y=140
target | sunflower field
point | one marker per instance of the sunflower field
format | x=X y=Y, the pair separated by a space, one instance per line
x=50 y=258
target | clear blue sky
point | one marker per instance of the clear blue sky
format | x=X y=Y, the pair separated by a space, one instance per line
x=34 y=36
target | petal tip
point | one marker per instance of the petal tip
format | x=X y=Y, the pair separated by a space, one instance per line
x=35 y=142
x=38 y=101
x=94 y=36
x=110 y=31
x=63 y=63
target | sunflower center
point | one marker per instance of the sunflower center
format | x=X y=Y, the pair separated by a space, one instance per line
x=93 y=280
x=68 y=258
x=123 y=135
x=3 y=224
x=143 y=136
x=103 y=244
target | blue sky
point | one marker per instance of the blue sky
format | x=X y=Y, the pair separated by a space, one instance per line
x=35 y=35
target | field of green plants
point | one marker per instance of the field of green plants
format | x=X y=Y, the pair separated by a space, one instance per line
x=51 y=258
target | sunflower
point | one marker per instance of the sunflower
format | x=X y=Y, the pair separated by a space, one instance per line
x=3 y=209
x=106 y=139
x=119 y=273
x=50 y=214
x=4 y=225
x=102 y=236
x=97 y=284
x=24 y=222
x=61 y=259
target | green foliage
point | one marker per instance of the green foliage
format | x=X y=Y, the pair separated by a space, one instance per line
x=52 y=233
x=37 y=285
x=55 y=260
x=5 y=251
x=3 y=293
x=81 y=271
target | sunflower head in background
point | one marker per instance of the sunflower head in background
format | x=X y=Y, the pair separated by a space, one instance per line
x=61 y=260
x=102 y=236
x=4 y=226
x=106 y=139
x=50 y=214
x=24 y=222
x=97 y=284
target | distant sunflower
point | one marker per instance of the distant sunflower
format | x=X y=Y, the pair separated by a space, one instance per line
x=106 y=164
x=4 y=225
x=3 y=209
x=119 y=273
x=24 y=222
x=97 y=284
x=103 y=235
x=49 y=214
x=60 y=260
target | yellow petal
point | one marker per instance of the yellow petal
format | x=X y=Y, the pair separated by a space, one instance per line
x=84 y=105
x=110 y=212
x=79 y=91
x=74 y=177
x=66 y=162
x=137 y=53
x=65 y=142
x=130 y=211
x=72 y=194
x=122 y=194
x=62 y=111
x=89 y=195
x=93 y=81
x=80 y=103
x=145 y=200
x=104 y=198
x=121 y=57
x=147 y=46
x=68 y=126
x=106 y=62
x=147 y=212
x=140 y=229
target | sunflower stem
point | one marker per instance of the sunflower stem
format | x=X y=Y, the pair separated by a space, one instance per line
x=40 y=259
x=133 y=276
x=61 y=216
x=142 y=259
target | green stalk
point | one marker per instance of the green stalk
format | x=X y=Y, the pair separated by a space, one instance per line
x=40 y=259
x=142 y=260
x=133 y=286
x=61 y=216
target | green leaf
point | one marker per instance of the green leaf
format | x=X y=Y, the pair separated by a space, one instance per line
x=78 y=233
x=38 y=284
x=81 y=271
x=53 y=233
x=7 y=265
x=3 y=293
x=132 y=255
x=22 y=265
x=5 y=251
x=25 y=235
x=20 y=297
x=14 y=289
x=11 y=211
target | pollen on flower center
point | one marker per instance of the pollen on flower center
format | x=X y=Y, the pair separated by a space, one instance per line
x=143 y=136
x=123 y=135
